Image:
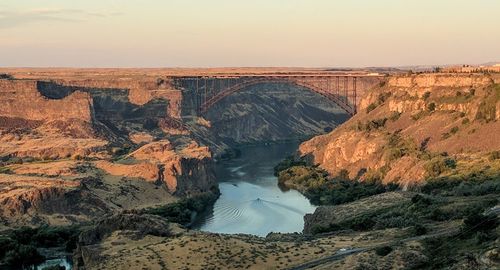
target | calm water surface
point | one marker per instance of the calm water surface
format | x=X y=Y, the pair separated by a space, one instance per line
x=251 y=201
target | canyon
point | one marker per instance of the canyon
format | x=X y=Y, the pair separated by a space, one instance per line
x=115 y=149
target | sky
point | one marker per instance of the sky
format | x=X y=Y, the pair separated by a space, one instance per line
x=244 y=33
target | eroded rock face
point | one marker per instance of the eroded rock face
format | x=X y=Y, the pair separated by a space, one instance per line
x=91 y=122
x=22 y=99
x=426 y=114
x=87 y=254
x=29 y=200
x=188 y=171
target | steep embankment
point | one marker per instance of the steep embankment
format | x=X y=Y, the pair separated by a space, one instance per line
x=73 y=149
x=417 y=127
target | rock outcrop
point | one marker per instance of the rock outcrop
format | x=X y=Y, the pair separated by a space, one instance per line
x=73 y=147
x=404 y=125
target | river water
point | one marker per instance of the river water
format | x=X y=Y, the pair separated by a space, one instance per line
x=251 y=201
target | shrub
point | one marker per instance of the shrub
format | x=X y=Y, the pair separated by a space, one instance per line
x=371 y=107
x=150 y=124
x=398 y=147
x=23 y=256
x=475 y=222
x=394 y=116
x=431 y=107
x=343 y=174
x=336 y=191
x=418 y=115
x=439 y=165
x=5 y=170
x=454 y=130
x=426 y=95
x=465 y=121
x=371 y=124
x=373 y=176
x=419 y=229
x=181 y=211
x=286 y=163
x=5 y=76
x=421 y=201
x=382 y=97
x=383 y=251
x=494 y=155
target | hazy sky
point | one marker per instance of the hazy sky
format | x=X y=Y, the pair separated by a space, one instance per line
x=188 y=33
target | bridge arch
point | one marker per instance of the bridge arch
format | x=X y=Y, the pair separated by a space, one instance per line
x=208 y=90
x=343 y=102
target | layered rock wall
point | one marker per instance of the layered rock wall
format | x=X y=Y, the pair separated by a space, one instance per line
x=410 y=117
x=21 y=99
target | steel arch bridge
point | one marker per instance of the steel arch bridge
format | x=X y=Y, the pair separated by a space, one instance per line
x=208 y=90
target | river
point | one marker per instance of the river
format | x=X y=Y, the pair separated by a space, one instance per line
x=251 y=201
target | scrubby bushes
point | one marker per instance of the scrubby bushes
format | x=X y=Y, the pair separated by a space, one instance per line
x=286 y=163
x=394 y=116
x=431 y=107
x=494 y=155
x=383 y=251
x=397 y=147
x=420 y=210
x=322 y=190
x=438 y=165
x=382 y=97
x=182 y=211
x=18 y=248
x=371 y=124
x=371 y=107
x=343 y=191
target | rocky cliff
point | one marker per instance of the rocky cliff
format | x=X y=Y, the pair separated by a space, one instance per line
x=72 y=148
x=415 y=127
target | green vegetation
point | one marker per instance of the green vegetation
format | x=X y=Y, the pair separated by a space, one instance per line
x=288 y=162
x=182 y=211
x=422 y=209
x=458 y=98
x=5 y=170
x=5 y=76
x=476 y=235
x=426 y=95
x=431 y=107
x=394 y=116
x=371 y=107
x=419 y=115
x=321 y=190
x=383 y=251
x=438 y=165
x=448 y=134
x=419 y=229
x=370 y=125
x=397 y=147
x=494 y=155
x=382 y=97
x=18 y=248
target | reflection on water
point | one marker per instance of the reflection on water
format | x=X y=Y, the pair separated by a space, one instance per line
x=66 y=262
x=251 y=201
